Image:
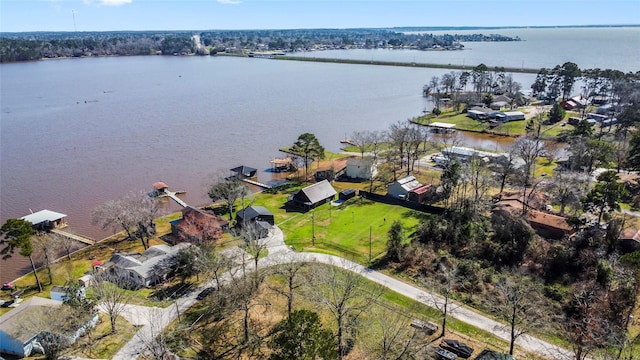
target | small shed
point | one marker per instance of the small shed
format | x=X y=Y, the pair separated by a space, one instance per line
x=347 y=194
x=46 y=220
x=421 y=194
x=244 y=171
x=400 y=188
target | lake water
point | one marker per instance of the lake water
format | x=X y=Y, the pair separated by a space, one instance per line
x=613 y=48
x=75 y=133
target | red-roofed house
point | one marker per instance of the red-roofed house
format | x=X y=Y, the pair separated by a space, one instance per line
x=545 y=224
x=198 y=226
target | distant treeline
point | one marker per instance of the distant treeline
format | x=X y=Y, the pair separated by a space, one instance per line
x=45 y=45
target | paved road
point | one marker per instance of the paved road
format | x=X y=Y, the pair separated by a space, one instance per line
x=279 y=253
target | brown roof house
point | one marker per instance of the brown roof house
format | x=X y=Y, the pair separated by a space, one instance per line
x=198 y=226
x=313 y=195
x=546 y=225
x=629 y=240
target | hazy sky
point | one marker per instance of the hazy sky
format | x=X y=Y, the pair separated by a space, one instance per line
x=105 y=15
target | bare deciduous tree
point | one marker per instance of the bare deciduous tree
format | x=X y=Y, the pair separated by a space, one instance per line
x=109 y=290
x=567 y=188
x=516 y=303
x=229 y=190
x=290 y=272
x=49 y=246
x=444 y=287
x=345 y=295
x=133 y=214
x=390 y=337
x=157 y=340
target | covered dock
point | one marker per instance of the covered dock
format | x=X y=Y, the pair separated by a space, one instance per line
x=46 y=220
x=440 y=127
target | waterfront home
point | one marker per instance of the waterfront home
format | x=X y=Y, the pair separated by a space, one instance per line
x=197 y=226
x=361 y=168
x=510 y=116
x=45 y=220
x=479 y=113
x=313 y=195
x=576 y=102
x=500 y=101
x=138 y=268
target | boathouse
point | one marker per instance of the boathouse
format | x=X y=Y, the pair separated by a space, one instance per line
x=244 y=172
x=46 y=220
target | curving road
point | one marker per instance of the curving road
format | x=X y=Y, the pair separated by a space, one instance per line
x=279 y=253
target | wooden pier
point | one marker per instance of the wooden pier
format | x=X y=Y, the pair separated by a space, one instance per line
x=175 y=198
x=249 y=181
x=76 y=237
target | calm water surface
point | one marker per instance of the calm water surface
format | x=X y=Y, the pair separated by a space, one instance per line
x=605 y=48
x=76 y=133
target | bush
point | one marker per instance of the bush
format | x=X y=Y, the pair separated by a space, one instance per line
x=436 y=111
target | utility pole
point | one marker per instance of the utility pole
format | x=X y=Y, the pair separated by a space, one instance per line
x=369 y=244
x=313 y=230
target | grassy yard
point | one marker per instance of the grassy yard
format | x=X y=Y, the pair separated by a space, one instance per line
x=340 y=230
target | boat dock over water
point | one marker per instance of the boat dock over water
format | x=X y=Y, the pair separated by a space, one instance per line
x=162 y=190
x=82 y=239
x=256 y=183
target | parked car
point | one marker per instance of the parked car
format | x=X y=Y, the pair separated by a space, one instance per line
x=459 y=348
x=7 y=303
x=204 y=293
x=8 y=286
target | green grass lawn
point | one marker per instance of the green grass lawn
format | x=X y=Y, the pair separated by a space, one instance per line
x=340 y=230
